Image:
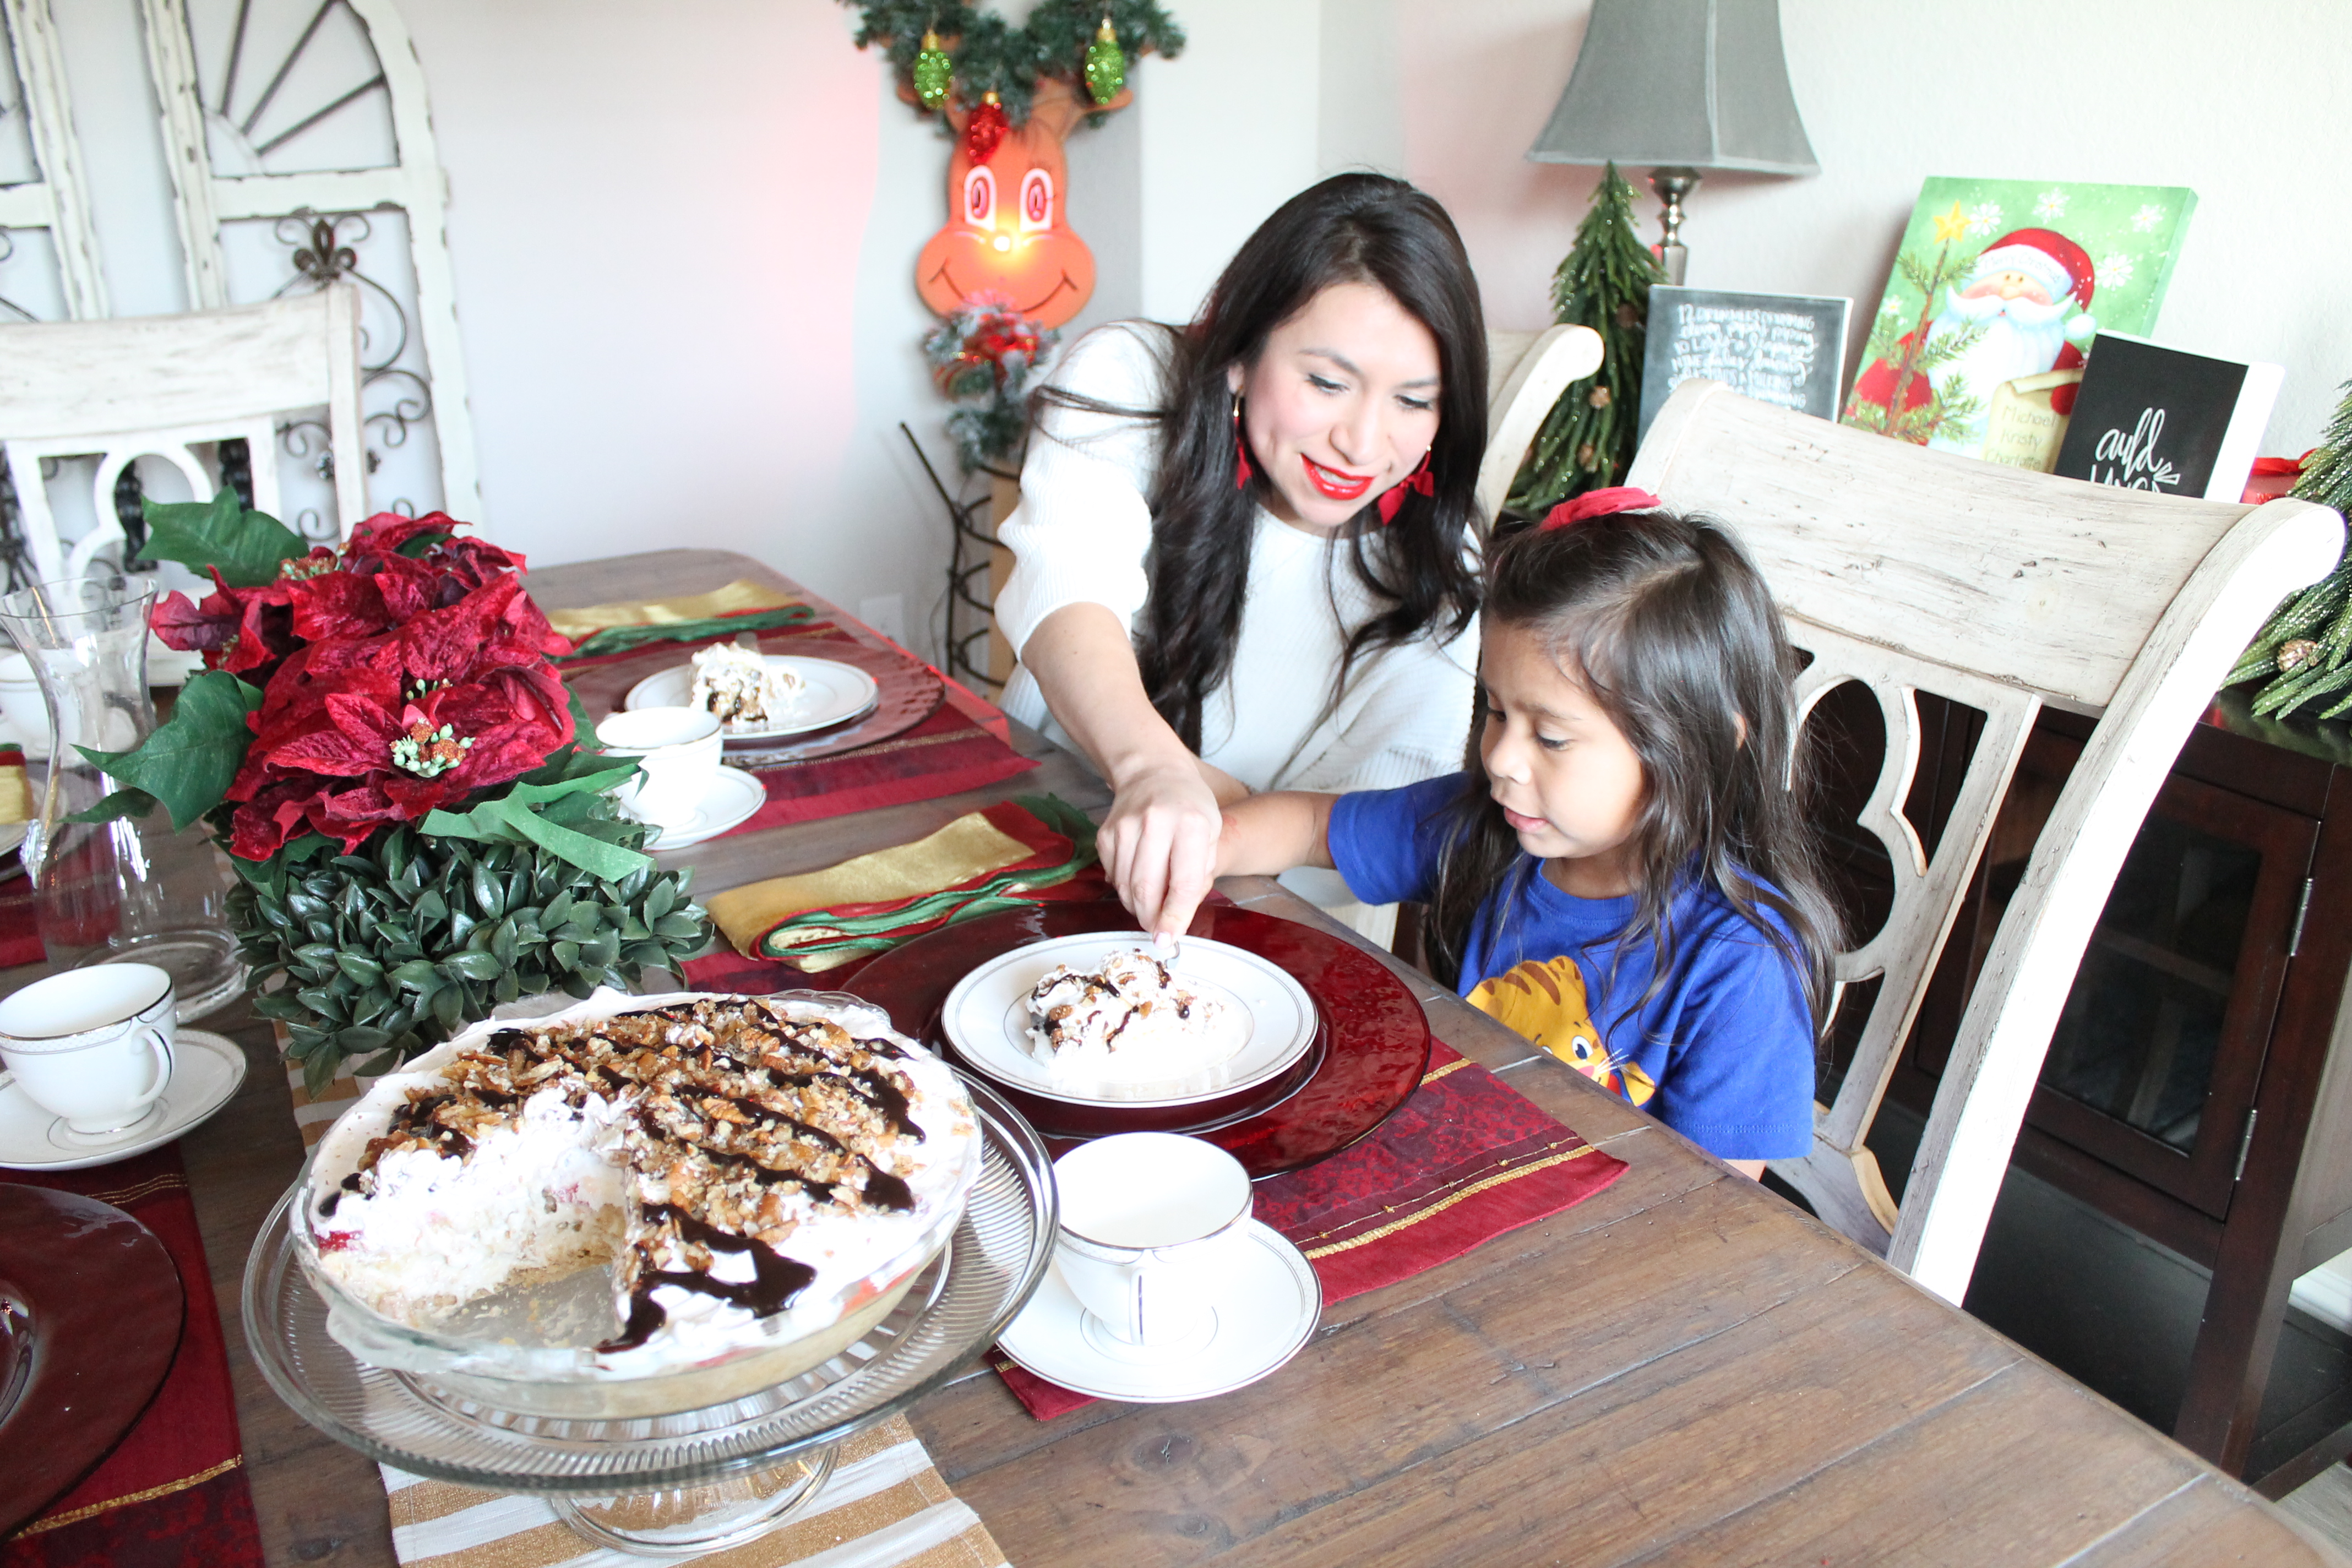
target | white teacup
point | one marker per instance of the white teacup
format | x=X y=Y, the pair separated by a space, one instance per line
x=680 y=750
x=1149 y=1224
x=93 y=1046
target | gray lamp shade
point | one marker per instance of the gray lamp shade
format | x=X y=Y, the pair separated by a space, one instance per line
x=1697 y=83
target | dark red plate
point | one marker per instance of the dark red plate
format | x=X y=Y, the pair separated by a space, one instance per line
x=1373 y=1045
x=90 y=1318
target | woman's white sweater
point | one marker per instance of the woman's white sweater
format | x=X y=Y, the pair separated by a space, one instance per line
x=1081 y=533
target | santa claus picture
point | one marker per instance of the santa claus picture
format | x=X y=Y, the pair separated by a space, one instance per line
x=1992 y=285
x=2030 y=294
x=2023 y=307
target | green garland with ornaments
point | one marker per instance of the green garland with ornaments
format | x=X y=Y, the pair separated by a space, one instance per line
x=952 y=54
x=2304 y=656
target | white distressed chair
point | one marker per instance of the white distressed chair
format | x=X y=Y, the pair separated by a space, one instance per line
x=1913 y=571
x=1526 y=374
x=161 y=386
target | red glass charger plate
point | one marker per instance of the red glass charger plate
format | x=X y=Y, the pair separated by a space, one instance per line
x=1371 y=1049
x=89 y=1320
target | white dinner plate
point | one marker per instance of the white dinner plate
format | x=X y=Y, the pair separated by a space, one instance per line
x=205 y=1071
x=987 y=1017
x=835 y=693
x=11 y=835
x=730 y=800
x=1265 y=1311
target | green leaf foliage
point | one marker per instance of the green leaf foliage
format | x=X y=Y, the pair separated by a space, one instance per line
x=384 y=953
x=523 y=815
x=244 y=546
x=189 y=762
x=2320 y=683
x=1587 y=440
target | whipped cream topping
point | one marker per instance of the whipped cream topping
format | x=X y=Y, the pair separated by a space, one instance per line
x=741 y=687
x=1124 y=1021
x=735 y=1160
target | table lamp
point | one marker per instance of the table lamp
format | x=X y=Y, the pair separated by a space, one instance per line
x=1682 y=86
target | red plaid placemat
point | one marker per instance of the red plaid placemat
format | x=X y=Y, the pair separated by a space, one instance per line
x=172 y=1492
x=1464 y=1160
x=947 y=753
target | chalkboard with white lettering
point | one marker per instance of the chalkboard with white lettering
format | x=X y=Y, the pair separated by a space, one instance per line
x=1781 y=349
x=2148 y=417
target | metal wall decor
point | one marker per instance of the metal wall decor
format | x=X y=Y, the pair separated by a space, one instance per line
x=299 y=150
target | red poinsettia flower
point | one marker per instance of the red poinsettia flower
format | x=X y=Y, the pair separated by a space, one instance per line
x=345 y=754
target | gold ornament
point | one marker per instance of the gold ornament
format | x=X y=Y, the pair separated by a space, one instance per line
x=2293 y=655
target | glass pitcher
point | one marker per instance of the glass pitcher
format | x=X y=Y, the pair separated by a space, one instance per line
x=133 y=888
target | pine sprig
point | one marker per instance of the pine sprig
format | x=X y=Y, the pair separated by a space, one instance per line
x=1604 y=282
x=2304 y=654
x=990 y=55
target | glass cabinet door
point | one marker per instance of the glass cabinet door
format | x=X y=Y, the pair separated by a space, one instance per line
x=2156 y=1059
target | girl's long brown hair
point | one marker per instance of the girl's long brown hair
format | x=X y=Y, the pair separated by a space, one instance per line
x=1669 y=627
x=1350 y=228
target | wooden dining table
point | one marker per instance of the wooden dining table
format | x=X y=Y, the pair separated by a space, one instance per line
x=1681 y=1369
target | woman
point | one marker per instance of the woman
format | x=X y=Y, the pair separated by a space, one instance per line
x=1245 y=556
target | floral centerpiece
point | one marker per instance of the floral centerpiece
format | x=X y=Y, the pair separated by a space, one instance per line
x=381 y=740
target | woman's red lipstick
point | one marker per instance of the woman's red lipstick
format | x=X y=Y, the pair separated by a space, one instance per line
x=1333 y=482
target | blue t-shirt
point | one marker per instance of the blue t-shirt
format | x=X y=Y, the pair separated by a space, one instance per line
x=1723 y=1054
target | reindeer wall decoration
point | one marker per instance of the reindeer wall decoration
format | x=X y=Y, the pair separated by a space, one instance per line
x=1012 y=96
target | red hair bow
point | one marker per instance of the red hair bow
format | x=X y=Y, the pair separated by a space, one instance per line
x=1600 y=503
x=1421 y=480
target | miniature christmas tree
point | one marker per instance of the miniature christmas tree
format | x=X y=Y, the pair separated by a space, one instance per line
x=1603 y=283
x=2304 y=654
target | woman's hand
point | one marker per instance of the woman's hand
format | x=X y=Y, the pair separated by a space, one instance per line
x=1159 y=845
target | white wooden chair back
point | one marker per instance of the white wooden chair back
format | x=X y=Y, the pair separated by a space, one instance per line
x=1911 y=570
x=1526 y=374
x=160 y=385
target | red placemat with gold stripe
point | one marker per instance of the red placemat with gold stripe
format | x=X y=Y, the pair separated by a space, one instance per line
x=1464 y=1160
x=172 y=1492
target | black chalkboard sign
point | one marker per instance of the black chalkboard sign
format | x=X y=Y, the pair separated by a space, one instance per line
x=2148 y=417
x=1781 y=349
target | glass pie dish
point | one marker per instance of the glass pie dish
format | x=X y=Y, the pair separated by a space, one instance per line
x=546 y=1346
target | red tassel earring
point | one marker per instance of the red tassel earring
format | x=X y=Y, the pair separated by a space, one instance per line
x=1241 y=449
x=1421 y=480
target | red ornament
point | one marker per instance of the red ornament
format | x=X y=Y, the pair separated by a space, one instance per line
x=984 y=130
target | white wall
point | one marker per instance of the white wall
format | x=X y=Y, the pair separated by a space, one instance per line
x=2244 y=104
x=1230 y=131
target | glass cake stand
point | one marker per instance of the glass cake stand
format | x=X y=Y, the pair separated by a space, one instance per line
x=700 y=1480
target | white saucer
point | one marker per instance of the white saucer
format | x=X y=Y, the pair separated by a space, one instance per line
x=730 y=800
x=205 y=1071
x=1267 y=1313
x=834 y=692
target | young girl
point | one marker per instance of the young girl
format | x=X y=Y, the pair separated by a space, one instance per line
x=1625 y=877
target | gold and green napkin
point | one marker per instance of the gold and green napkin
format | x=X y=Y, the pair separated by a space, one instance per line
x=1016 y=852
x=740 y=606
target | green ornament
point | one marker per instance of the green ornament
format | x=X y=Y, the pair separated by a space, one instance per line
x=1106 y=64
x=934 y=70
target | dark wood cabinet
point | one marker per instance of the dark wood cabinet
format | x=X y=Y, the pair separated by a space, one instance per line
x=2194 y=1089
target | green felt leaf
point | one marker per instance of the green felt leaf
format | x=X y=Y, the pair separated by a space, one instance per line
x=513 y=819
x=245 y=546
x=189 y=763
x=121 y=802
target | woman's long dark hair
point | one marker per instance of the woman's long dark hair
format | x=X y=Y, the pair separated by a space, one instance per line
x=1350 y=228
x=1669 y=627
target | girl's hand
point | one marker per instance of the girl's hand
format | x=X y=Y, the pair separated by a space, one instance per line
x=1159 y=845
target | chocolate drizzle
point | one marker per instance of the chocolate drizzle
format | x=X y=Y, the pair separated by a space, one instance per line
x=776 y=1281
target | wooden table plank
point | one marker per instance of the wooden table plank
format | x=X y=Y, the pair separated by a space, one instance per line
x=2207 y=1524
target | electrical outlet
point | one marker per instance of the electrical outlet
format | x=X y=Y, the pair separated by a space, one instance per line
x=886 y=614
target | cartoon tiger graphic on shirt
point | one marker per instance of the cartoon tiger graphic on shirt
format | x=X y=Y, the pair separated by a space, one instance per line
x=1546 y=1002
